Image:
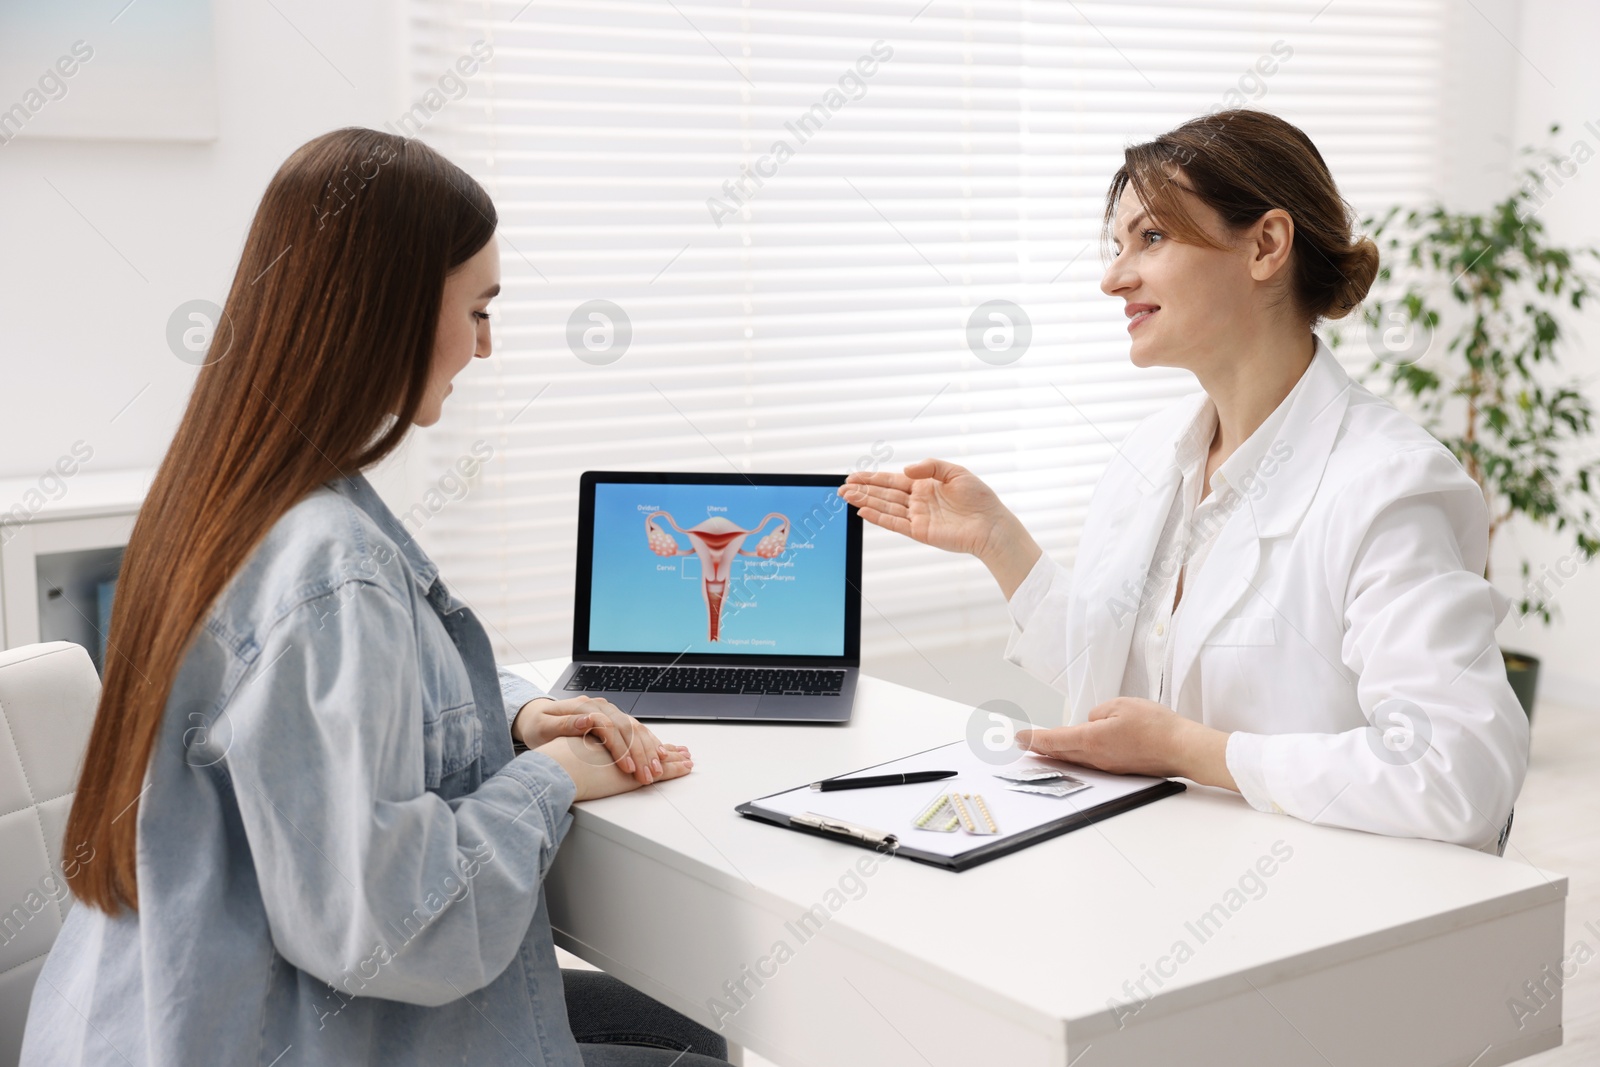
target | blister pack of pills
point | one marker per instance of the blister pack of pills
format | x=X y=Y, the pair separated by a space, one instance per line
x=940 y=816
x=968 y=811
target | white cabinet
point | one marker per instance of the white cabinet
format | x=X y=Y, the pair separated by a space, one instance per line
x=60 y=538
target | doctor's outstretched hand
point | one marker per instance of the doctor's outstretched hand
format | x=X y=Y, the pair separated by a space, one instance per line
x=1130 y=736
x=948 y=507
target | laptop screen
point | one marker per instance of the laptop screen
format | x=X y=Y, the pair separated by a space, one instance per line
x=724 y=569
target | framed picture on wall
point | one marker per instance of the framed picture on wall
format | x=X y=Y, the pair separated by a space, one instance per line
x=140 y=70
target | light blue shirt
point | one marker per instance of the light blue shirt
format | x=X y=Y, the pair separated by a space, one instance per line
x=339 y=859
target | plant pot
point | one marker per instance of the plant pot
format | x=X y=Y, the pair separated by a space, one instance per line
x=1522 y=670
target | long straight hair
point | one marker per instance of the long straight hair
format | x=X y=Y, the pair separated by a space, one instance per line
x=315 y=370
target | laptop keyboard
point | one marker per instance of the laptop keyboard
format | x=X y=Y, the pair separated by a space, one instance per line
x=627 y=678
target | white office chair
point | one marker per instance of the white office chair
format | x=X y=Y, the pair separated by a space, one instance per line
x=48 y=695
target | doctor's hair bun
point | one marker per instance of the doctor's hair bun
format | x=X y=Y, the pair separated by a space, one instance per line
x=1242 y=163
x=1355 y=268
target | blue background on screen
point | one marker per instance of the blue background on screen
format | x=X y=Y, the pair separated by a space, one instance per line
x=636 y=607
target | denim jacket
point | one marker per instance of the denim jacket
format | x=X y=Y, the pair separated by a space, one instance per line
x=340 y=861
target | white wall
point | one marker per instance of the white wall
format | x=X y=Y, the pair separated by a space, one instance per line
x=1479 y=99
x=1559 y=81
x=86 y=287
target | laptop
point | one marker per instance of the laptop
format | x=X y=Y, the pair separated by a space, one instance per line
x=717 y=596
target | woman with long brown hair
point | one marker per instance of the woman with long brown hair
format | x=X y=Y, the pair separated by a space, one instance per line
x=309 y=837
x=1279 y=585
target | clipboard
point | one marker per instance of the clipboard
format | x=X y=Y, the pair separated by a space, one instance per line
x=883 y=818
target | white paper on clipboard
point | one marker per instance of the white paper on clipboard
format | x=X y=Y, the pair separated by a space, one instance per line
x=892 y=809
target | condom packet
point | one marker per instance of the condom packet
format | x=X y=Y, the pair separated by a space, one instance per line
x=1034 y=774
x=1059 y=788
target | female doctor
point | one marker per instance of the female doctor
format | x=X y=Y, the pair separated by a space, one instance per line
x=1279 y=586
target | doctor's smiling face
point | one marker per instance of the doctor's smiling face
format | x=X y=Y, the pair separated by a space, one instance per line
x=463 y=330
x=1232 y=243
x=1189 y=301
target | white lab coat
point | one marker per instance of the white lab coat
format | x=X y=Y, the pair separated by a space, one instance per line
x=1341 y=627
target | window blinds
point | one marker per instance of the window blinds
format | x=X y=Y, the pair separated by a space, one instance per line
x=794 y=217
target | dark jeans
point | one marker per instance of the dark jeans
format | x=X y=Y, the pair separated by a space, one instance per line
x=618 y=1026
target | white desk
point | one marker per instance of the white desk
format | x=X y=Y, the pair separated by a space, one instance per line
x=1358 y=950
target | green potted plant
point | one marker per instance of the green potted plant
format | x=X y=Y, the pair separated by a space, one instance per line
x=1465 y=322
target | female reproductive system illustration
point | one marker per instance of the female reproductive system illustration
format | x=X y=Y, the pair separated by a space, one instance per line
x=716 y=541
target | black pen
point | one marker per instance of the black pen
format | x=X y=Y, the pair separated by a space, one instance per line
x=828 y=785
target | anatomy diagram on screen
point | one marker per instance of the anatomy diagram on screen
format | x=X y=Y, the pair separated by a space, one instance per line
x=716 y=541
